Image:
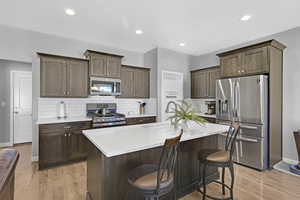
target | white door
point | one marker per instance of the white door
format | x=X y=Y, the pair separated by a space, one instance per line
x=22 y=107
x=172 y=90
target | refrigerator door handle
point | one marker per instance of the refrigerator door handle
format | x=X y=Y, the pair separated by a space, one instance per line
x=234 y=101
x=238 y=93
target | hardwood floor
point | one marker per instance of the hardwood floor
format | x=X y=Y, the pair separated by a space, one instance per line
x=69 y=182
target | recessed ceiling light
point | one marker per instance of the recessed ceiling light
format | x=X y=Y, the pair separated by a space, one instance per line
x=70 y=12
x=139 y=32
x=246 y=17
x=182 y=44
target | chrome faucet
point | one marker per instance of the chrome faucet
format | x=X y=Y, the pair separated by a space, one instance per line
x=168 y=106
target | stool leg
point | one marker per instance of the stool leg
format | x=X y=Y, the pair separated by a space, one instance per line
x=223 y=180
x=232 y=180
x=203 y=181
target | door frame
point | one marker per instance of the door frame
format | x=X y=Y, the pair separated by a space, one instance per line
x=161 y=112
x=11 y=109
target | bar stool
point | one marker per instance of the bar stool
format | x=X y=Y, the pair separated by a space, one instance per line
x=220 y=158
x=152 y=180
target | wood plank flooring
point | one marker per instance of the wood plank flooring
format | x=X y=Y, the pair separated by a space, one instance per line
x=69 y=182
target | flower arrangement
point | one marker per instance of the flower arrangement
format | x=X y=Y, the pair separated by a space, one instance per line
x=184 y=113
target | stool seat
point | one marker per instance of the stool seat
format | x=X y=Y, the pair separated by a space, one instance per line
x=153 y=181
x=206 y=152
x=145 y=177
x=220 y=156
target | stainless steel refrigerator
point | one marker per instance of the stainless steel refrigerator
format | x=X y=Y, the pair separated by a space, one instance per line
x=245 y=100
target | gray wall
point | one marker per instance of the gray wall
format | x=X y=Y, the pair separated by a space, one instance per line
x=150 y=60
x=172 y=61
x=291 y=92
x=5 y=68
x=18 y=44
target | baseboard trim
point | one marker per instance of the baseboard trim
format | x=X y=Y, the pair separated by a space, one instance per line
x=290 y=161
x=7 y=144
x=35 y=159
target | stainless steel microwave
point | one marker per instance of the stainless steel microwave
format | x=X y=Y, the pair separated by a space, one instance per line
x=105 y=86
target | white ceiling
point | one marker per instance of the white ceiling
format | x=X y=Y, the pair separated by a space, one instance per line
x=204 y=25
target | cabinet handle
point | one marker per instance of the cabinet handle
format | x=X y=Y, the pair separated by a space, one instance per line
x=65 y=135
x=243 y=71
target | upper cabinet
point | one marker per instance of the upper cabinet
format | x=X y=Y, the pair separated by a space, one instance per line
x=104 y=64
x=251 y=60
x=203 y=82
x=135 y=82
x=63 y=76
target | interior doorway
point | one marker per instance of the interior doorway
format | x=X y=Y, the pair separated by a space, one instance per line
x=21 y=107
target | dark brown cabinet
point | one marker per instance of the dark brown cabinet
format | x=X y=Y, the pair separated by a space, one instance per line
x=255 y=61
x=61 y=143
x=140 y=120
x=135 y=82
x=63 y=76
x=231 y=65
x=53 y=77
x=77 y=78
x=104 y=64
x=250 y=60
x=203 y=82
x=127 y=85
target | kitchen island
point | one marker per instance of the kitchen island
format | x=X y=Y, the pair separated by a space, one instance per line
x=113 y=152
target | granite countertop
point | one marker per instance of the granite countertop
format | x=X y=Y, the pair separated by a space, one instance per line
x=206 y=115
x=62 y=120
x=140 y=137
x=140 y=115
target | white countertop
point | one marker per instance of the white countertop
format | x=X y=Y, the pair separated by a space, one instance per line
x=206 y=115
x=121 y=140
x=140 y=115
x=62 y=120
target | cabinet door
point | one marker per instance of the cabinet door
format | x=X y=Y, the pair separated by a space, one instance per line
x=141 y=83
x=213 y=76
x=76 y=141
x=200 y=84
x=76 y=145
x=77 y=76
x=52 y=148
x=53 y=77
x=98 y=65
x=194 y=85
x=231 y=65
x=203 y=84
x=255 y=61
x=113 y=67
x=127 y=84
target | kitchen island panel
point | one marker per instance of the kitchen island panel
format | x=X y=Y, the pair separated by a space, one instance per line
x=107 y=176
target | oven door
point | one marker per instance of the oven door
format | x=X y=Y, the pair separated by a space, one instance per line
x=105 y=86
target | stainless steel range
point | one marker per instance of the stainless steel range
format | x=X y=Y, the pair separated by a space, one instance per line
x=105 y=115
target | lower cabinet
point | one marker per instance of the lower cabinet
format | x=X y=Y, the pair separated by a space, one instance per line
x=140 y=120
x=61 y=143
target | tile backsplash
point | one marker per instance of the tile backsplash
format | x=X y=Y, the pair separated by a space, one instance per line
x=47 y=107
x=199 y=104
